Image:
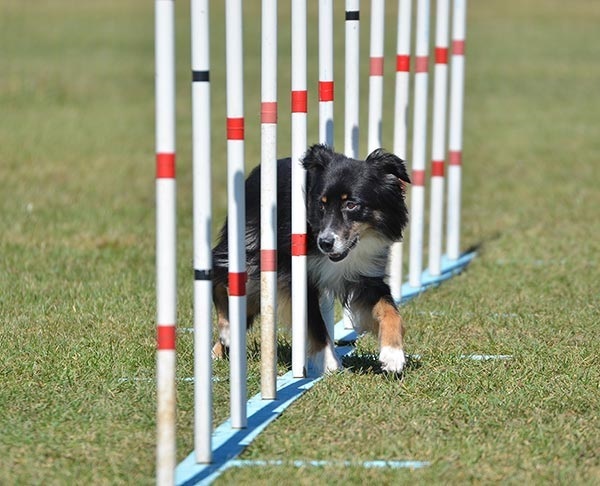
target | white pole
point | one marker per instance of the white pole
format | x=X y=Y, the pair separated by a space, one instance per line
x=326 y=97
x=236 y=212
x=351 y=93
x=457 y=85
x=351 y=81
x=166 y=273
x=438 y=137
x=376 y=75
x=400 y=126
x=268 y=202
x=299 y=143
x=201 y=150
x=417 y=200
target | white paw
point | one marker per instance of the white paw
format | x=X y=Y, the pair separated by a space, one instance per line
x=219 y=350
x=332 y=362
x=392 y=359
x=225 y=336
x=325 y=361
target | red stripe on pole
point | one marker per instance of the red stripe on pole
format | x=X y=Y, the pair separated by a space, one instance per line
x=418 y=177
x=325 y=90
x=165 y=337
x=237 y=284
x=268 y=260
x=455 y=157
x=235 y=128
x=441 y=55
x=268 y=112
x=299 y=102
x=298 y=244
x=376 y=68
x=402 y=63
x=421 y=64
x=458 y=47
x=165 y=166
x=437 y=168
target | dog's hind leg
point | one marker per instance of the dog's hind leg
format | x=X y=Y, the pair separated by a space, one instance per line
x=321 y=349
x=221 y=302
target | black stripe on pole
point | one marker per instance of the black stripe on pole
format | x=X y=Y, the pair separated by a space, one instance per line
x=352 y=15
x=203 y=274
x=200 y=76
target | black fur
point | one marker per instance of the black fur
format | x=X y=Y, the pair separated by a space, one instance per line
x=355 y=211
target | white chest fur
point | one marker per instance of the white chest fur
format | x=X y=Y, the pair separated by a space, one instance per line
x=367 y=259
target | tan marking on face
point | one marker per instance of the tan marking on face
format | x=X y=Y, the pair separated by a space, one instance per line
x=344 y=197
x=391 y=329
x=324 y=199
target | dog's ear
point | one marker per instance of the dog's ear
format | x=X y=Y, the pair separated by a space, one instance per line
x=389 y=164
x=317 y=157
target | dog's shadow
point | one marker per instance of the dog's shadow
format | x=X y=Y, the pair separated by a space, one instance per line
x=360 y=362
x=368 y=364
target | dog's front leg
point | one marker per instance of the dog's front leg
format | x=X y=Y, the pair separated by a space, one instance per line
x=391 y=333
x=321 y=349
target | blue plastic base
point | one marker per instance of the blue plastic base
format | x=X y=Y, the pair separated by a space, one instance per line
x=228 y=443
x=449 y=268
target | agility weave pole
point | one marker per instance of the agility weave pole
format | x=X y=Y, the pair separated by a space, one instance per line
x=248 y=418
x=326 y=121
x=166 y=273
x=268 y=230
x=400 y=125
x=299 y=145
x=202 y=221
x=457 y=88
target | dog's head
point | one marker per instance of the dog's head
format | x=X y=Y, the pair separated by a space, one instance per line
x=348 y=199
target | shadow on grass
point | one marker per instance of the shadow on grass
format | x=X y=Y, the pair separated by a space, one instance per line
x=369 y=364
x=361 y=362
x=284 y=352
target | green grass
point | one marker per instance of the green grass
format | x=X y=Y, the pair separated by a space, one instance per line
x=77 y=260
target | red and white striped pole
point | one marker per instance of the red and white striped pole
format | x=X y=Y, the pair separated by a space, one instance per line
x=438 y=137
x=352 y=76
x=166 y=271
x=419 y=145
x=268 y=200
x=457 y=85
x=236 y=211
x=202 y=221
x=376 y=75
x=326 y=93
x=401 y=125
x=299 y=143
x=326 y=97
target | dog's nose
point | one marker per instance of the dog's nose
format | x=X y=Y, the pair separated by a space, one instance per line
x=326 y=242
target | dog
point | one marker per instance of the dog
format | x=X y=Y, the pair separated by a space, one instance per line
x=355 y=210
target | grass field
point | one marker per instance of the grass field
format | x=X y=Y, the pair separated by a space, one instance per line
x=77 y=261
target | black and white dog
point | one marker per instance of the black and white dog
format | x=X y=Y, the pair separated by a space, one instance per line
x=355 y=211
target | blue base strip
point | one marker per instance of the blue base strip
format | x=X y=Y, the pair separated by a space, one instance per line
x=336 y=464
x=449 y=268
x=228 y=443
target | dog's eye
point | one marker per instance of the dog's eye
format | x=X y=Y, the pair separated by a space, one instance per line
x=351 y=206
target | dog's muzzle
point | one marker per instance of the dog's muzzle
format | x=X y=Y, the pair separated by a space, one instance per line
x=330 y=245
